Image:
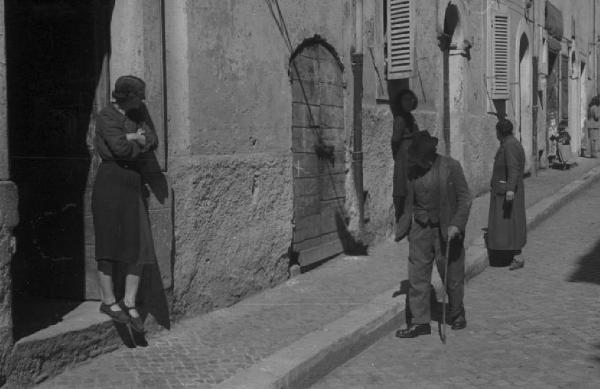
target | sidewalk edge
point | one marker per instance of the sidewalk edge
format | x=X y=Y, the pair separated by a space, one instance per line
x=313 y=356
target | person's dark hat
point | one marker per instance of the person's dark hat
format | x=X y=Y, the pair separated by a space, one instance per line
x=409 y=92
x=128 y=85
x=423 y=149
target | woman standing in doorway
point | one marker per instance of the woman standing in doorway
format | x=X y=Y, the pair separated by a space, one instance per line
x=121 y=222
x=404 y=128
x=507 y=226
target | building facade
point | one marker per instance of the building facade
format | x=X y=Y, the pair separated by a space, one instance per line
x=274 y=119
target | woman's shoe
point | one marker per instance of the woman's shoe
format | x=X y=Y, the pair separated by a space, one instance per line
x=137 y=323
x=516 y=263
x=118 y=316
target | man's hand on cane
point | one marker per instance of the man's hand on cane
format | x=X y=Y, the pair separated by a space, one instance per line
x=453 y=232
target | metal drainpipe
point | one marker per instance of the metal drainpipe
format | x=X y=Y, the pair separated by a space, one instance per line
x=534 y=110
x=357 y=152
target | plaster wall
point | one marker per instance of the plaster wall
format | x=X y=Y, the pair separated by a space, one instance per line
x=230 y=118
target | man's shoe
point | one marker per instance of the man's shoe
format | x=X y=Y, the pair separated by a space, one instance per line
x=413 y=331
x=118 y=316
x=516 y=263
x=460 y=322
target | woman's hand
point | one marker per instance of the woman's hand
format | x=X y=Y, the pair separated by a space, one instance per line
x=137 y=137
x=510 y=195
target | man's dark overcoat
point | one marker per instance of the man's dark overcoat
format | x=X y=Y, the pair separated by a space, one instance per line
x=507 y=224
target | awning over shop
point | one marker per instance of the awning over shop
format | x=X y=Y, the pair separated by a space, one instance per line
x=554 y=21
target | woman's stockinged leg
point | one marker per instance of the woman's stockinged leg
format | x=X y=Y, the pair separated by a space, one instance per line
x=105 y=276
x=132 y=283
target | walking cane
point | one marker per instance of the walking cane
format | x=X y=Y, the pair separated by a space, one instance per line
x=447 y=259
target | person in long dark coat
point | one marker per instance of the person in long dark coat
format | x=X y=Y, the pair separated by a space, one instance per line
x=405 y=126
x=121 y=225
x=507 y=225
x=438 y=205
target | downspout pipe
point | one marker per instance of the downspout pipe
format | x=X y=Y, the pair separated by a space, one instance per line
x=357 y=152
x=534 y=110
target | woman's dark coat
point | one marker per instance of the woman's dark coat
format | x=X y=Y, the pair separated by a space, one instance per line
x=121 y=223
x=507 y=225
x=401 y=140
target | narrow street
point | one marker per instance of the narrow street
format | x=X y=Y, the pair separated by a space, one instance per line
x=533 y=328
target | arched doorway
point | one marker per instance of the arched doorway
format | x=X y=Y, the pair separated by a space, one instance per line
x=454 y=64
x=318 y=152
x=524 y=95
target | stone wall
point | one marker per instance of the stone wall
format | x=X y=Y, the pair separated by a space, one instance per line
x=232 y=229
x=8 y=220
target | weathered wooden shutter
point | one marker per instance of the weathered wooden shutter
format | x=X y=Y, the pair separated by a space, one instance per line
x=499 y=58
x=400 y=39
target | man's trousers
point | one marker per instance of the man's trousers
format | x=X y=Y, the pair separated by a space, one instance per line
x=426 y=245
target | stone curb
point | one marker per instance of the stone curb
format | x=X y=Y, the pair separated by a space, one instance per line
x=305 y=361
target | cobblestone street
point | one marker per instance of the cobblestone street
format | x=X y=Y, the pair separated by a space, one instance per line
x=534 y=328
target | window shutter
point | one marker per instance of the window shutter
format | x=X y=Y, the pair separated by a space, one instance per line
x=500 y=50
x=400 y=39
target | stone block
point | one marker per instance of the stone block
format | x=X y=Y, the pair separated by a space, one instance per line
x=331 y=94
x=305 y=165
x=9 y=199
x=336 y=165
x=162 y=234
x=306 y=206
x=305 y=139
x=305 y=115
x=92 y=286
x=306 y=186
x=331 y=117
x=330 y=73
x=306 y=92
x=332 y=186
x=233 y=215
x=304 y=68
x=307 y=227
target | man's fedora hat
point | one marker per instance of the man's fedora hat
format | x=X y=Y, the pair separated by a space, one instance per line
x=422 y=149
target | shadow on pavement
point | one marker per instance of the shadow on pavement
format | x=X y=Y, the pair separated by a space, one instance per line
x=588 y=267
x=596 y=358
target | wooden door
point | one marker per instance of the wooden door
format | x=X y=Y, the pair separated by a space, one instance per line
x=318 y=154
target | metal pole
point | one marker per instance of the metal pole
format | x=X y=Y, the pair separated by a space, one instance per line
x=357 y=153
x=534 y=108
x=595 y=40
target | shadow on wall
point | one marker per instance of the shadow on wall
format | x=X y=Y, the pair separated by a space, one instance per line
x=351 y=245
x=588 y=267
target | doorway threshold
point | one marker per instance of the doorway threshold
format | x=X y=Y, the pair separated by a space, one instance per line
x=81 y=334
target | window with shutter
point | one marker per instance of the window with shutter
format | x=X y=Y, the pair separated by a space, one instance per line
x=400 y=39
x=500 y=50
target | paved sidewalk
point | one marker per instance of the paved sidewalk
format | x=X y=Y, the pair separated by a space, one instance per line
x=203 y=351
x=534 y=328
